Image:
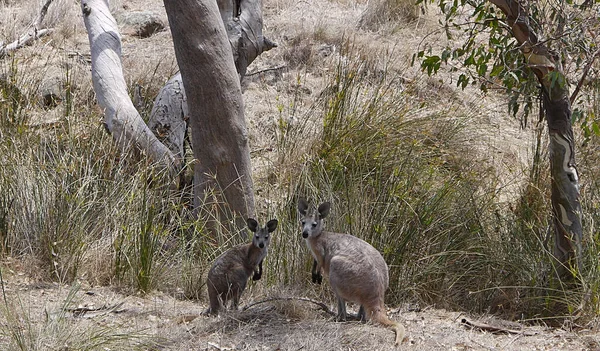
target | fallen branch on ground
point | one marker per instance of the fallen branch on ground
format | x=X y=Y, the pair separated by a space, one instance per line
x=494 y=329
x=81 y=311
x=34 y=33
x=305 y=299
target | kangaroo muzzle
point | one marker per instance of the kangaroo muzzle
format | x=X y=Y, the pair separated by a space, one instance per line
x=305 y=234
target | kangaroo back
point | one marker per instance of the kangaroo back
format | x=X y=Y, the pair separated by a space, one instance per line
x=357 y=272
x=229 y=274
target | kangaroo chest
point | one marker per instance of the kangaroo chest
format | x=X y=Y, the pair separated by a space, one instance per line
x=321 y=253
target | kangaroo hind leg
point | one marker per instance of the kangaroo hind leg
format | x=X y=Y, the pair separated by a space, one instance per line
x=341 y=315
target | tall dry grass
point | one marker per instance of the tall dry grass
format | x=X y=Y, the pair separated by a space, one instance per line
x=410 y=183
x=402 y=178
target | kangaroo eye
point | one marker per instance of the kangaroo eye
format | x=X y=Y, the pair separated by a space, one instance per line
x=314 y=224
x=266 y=237
x=256 y=236
x=303 y=222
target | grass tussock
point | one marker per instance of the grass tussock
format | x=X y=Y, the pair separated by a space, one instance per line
x=59 y=330
x=381 y=14
x=410 y=183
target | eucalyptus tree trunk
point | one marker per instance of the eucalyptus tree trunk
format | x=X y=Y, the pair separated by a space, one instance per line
x=557 y=108
x=222 y=174
x=243 y=22
x=121 y=118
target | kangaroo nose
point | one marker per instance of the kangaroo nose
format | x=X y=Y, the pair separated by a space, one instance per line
x=261 y=245
x=305 y=234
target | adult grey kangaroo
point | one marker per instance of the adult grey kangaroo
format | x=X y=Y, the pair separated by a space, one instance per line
x=357 y=272
x=229 y=274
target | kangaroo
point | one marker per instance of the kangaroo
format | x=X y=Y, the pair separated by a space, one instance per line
x=229 y=274
x=357 y=272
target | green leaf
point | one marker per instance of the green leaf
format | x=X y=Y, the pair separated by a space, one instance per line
x=496 y=70
x=596 y=128
x=463 y=81
x=431 y=64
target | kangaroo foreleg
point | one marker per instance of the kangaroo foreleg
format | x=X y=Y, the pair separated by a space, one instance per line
x=258 y=273
x=317 y=277
x=361 y=314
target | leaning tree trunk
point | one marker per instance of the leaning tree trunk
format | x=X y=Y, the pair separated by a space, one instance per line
x=557 y=106
x=121 y=118
x=222 y=175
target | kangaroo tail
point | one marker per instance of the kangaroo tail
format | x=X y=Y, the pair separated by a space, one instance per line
x=398 y=328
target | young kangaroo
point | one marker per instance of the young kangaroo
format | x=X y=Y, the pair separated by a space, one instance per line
x=356 y=270
x=229 y=274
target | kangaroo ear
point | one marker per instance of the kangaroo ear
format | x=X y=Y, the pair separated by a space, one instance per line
x=302 y=206
x=324 y=209
x=252 y=224
x=272 y=225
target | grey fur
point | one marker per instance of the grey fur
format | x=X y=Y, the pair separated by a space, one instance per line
x=357 y=272
x=229 y=273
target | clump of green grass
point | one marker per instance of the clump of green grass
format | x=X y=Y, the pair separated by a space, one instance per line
x=66 y=189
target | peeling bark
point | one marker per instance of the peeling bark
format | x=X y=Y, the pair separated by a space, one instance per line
x=121 y=118
x=222 y=174
x=169 y=116
x=557 y=108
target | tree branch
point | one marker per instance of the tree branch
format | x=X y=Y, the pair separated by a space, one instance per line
x=34 y=33
x=539 y=57
x=583 y=76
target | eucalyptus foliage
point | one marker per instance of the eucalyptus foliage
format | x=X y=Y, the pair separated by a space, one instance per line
x=488 y=56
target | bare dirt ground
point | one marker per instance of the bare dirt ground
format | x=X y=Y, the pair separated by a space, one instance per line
x=278 y=325
x=273 y=325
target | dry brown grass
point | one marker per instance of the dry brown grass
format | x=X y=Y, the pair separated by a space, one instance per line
x=383 y=14
x=313 y=39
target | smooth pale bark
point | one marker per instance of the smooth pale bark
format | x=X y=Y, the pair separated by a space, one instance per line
x=557 y=106
x=121 y=118
x=222 y=174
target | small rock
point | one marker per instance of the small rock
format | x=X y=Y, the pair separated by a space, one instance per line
x=52 y=92
x=143 y=24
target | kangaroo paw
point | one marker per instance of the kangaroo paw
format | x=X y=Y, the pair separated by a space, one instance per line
x=317 y=278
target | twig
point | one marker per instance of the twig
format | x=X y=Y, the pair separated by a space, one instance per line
x=3 y=289
x=583 y=76
x=305 y=299
x=80 y=311
x=494 y=329
x=42 y=15
x=266 y=70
